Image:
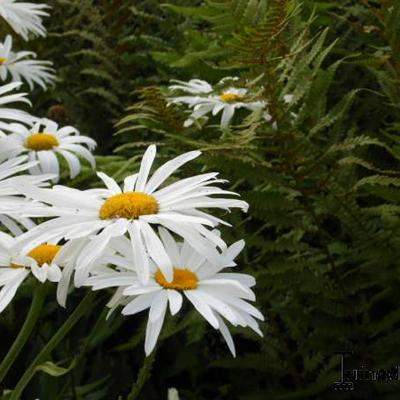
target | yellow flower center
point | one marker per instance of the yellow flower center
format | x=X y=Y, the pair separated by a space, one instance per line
x=130 y=205
x=229 y=97
x=3 y=60
x=42 y=254
x=184 y=279
x=41 y=141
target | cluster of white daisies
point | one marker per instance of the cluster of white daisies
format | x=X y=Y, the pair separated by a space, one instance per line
x=152 y=239
x=21 y=133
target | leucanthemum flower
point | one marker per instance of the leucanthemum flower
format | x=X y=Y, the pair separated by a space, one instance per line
x=21 y=66
x=133 y=209
x=214 y=293
x=23 y=17
x=215 y=100
x=227 y=102
x=43 y=142
x=12 y=114
x=16 y=266
x=11 y=203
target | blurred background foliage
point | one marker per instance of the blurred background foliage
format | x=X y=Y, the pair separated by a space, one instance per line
x=323 y=185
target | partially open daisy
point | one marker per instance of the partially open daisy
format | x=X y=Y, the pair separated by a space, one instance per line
x=215 y=294
x=12 y=114
x=43 y=142
x=227 y=101
x=11 y=202
x=215 y=100
x=23 y=17
x=141 y=203
x=22 y=66
x=16 y=266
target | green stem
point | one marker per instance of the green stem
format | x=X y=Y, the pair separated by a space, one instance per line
x=39 y=295
x=82 y=352
x=79 y=312
x=143 y=375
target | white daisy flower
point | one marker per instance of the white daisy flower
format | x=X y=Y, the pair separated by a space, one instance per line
x=12 y=114
x=16 y=266
x=21 y=66
x=227 y=100
x=43 y=142
x=215 y=294
x=11 y=203
x=141 y=203
x=24 y=18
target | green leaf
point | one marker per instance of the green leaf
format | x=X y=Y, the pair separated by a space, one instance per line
x=54 y=370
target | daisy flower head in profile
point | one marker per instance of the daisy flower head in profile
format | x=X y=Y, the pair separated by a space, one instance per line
x=11 y=201
x=12 y=114
x=215 y=293
x=133 y=210
x=16 y=266
x=22 y=66
x=23 y=17
x=224 y=98
x=44 y=142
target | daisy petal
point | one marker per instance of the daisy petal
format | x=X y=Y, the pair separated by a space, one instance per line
x=145 y=167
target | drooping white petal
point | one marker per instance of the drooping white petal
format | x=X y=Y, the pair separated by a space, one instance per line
x=138 y=304
x=244 y=279
x=230 y=286
x=49 y=163
x=175 y=301
x=81 y=151
x=153 y=329
x=111 y=279
x=226 y=335
x=170 y=245
x=139 y=252
x=136 y=290
x=158 y=305
x=195 y=240
x=222 y=308
x=157 y=251
x=8 y=291
x=63 y=284
x=203 y=308
x=73 y=162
